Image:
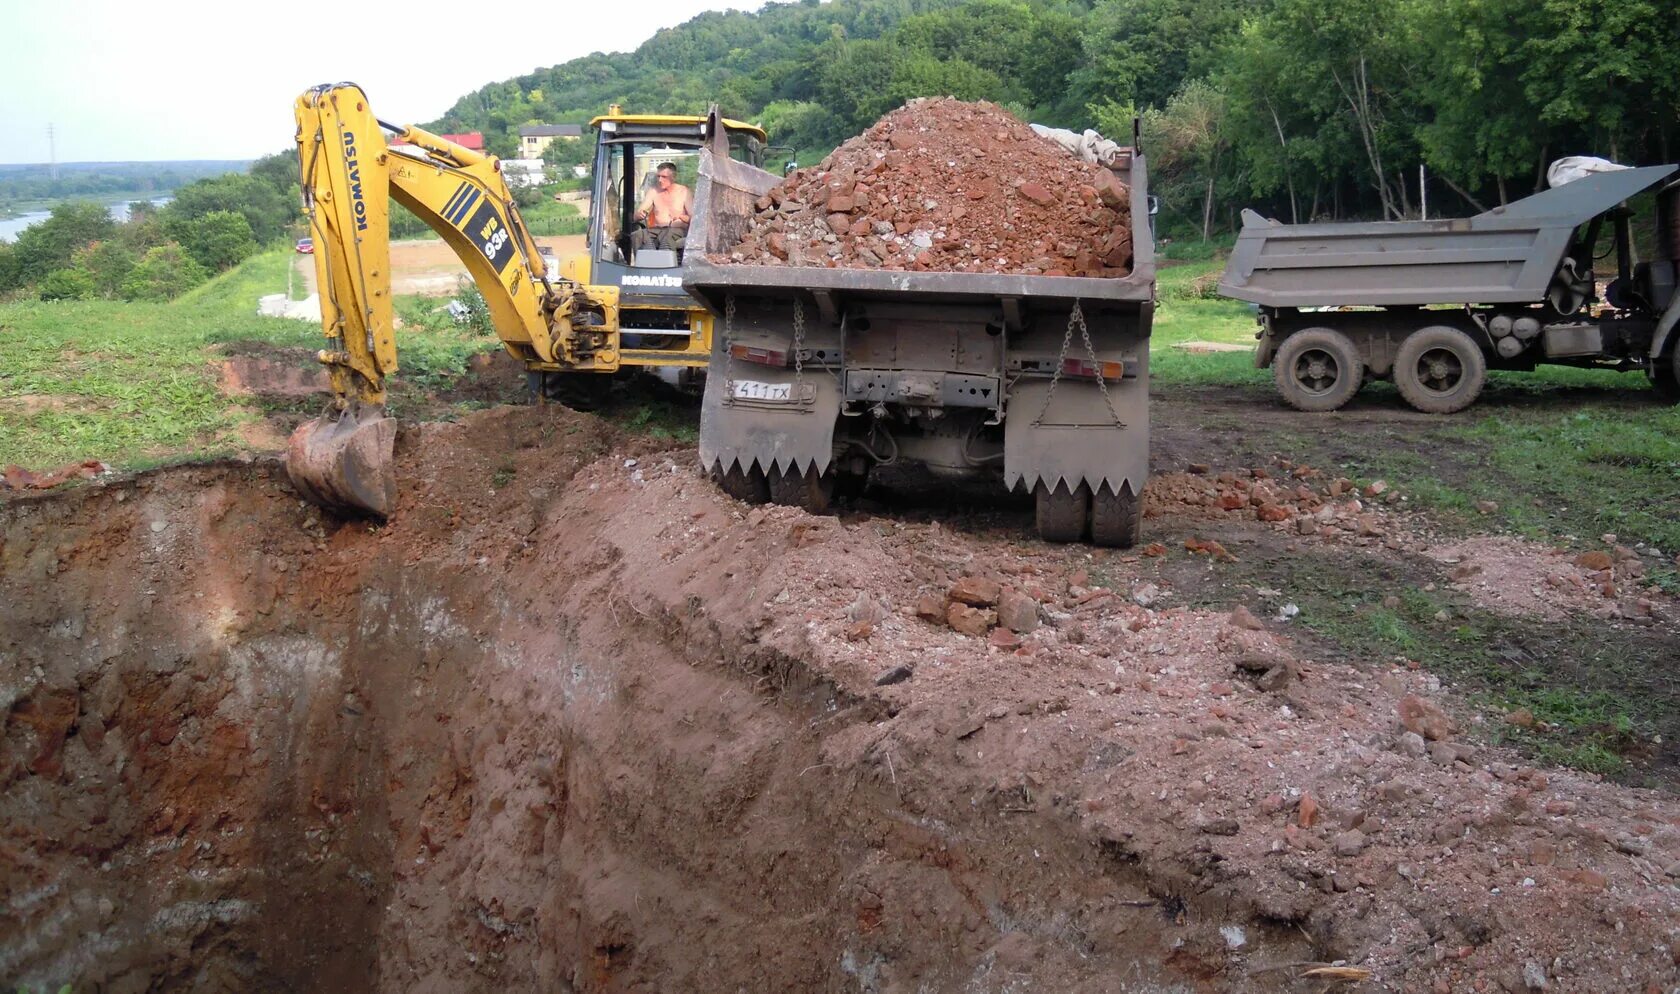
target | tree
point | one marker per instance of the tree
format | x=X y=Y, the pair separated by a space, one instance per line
x=67 y=284
x=1189 y=142
x=163 y=273
x=265 y=209
x=44 y=247
x=107 y=264
x=218 y=240
x=10 y=278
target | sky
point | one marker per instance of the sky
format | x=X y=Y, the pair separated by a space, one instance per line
x=133 y=80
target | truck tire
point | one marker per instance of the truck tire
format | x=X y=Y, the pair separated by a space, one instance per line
x=1439 y=370
x=1062 y=515
x=1318 y=369
x=810 y=490
x=1116 y=517
x=744 y=484
x=1665 y=377
x=578 y=391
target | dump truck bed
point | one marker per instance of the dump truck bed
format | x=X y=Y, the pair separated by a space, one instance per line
x=730 y=189
x=1506 y=255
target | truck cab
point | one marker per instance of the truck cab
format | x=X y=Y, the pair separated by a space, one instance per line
x=659 y=323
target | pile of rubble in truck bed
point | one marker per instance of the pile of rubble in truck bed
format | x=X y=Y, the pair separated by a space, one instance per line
x=940 y=184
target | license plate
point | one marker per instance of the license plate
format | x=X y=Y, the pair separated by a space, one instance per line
x=757 y=390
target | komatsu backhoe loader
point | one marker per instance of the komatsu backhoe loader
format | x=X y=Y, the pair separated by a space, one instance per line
x=618 y=304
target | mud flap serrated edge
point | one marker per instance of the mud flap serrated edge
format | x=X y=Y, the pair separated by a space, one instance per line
x=798 y=436
x=1075 y=441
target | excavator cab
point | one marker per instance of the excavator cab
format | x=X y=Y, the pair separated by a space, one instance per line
x=659 y=325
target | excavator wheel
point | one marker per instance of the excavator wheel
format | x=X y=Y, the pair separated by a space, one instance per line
x=344 y=463
x=810 y=490
x=743 y=484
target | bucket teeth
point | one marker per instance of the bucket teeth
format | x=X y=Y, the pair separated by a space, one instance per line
x=345 y=464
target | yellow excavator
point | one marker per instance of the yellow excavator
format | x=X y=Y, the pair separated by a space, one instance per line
x=618 y=304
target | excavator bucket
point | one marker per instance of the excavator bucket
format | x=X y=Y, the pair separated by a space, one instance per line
x=344 y=463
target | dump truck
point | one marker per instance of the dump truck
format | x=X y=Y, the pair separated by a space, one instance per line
x=1433 y=305
x=819 y=376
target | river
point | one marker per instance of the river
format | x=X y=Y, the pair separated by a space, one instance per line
x=10 y=226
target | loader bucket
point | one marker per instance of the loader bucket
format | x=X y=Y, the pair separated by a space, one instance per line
x=344 y=463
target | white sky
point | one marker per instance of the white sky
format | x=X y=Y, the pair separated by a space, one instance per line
x=133 y=80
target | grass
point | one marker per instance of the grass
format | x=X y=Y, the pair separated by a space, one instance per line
x=551 y=217
x=135 y=384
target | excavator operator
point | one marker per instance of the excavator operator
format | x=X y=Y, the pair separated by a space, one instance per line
x=665 y=211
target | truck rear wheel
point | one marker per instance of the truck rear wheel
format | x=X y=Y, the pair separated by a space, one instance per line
x=1318 y=369
x=1439 y=370
x=810 y=490
x=1062 y=513
x=1665 y=377
x=745 y=484
x=1116 y=517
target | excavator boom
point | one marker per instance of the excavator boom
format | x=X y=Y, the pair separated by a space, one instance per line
x=348 y=172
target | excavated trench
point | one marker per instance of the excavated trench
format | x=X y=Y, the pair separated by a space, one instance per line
x=247 y=749
x=574 y=721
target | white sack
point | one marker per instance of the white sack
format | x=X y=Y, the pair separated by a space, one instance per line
x=1573 y=167
x=1090 y=146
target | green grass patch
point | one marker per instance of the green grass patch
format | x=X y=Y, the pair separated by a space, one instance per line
x=135 y=384
x=552 y=217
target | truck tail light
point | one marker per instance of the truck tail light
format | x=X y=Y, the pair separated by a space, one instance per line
x=764 y=357
x=1093 y=370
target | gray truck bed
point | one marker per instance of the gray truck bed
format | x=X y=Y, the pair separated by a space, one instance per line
x=729 y=189
x=1506 y=255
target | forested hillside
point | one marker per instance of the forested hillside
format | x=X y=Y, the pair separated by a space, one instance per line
x=1305 y=108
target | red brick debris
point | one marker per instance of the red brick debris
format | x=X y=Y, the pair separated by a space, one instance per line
x=942 y=184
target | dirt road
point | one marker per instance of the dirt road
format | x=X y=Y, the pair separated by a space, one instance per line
x=574 y=720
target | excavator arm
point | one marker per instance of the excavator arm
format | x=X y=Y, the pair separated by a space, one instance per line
x=348 y=172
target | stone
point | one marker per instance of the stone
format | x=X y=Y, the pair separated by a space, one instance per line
x=1534 y=975
x=931 y=608
x=976 y=591
x=866 y=609
x=1273 y=512
x=1242 y=617
x=1541 y=853
x=1487 y=506
x=839 y=223
x=1110 y=189
x=897 y=674
x=1376 y=488
x=1425 y=718
x=1411 y=744
x=1350 y=843
x=1003 y=638
x=1222 y=826
x=1277 y=678
x=1199 y=468
x=1306 y=815
x=1145 y=594
x=857 y=631
x=1017 y=612
x=1596 y=561
x=1036 y=193
x=969 y=620
x=1520 y=718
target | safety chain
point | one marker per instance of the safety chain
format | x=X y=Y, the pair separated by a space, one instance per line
x=1076 y=319
x=729 y=350
x=798 y=350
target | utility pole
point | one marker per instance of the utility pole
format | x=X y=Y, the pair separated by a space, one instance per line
x=52 y=154
x=1423 y=196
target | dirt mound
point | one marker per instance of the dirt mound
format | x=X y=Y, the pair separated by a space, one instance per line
x=573 y=720
x=940 y=184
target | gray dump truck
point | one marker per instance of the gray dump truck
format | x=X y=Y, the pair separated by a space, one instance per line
x=1433 y=305
x=818 y=376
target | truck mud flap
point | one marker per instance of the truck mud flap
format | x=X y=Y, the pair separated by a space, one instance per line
x=769 y=431
x=1074 y=439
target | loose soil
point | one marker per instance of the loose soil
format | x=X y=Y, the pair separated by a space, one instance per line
x=940 y=184
x=576 y=721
